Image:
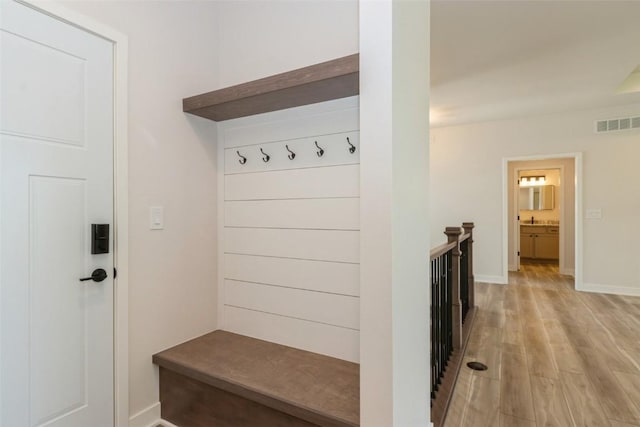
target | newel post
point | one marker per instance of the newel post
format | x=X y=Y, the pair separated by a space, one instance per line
x=468 y=228
x=453 y=235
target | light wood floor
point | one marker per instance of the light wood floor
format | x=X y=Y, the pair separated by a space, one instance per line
x=556 y=357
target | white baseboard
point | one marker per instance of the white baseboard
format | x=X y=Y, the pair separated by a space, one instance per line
x=512 y=267
x=164 y=423
x=499 y=280
x=568 y=272
x=608 y=289
x=148 y=417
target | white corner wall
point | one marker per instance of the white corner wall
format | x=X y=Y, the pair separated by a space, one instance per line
x=466 y=184
x=259 y=38
x=172 y=163
x=394 y=213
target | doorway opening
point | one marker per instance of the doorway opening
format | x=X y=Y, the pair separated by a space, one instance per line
x=539 y=198
x=542 y=224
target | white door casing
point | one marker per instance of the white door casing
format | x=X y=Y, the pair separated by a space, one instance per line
x=577 y=205
x=56 y=177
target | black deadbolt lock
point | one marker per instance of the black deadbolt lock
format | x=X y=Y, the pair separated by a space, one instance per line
x=99 y=238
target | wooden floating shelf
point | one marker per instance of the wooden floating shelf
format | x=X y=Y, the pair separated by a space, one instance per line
x=329 y=80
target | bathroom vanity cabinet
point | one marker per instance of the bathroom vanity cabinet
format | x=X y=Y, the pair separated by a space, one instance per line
x=539 y=242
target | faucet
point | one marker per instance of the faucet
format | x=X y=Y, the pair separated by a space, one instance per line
x=532 y=219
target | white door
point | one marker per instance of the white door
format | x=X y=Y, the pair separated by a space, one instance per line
x=56 y=179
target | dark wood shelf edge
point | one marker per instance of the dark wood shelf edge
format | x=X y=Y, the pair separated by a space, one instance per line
x=335 y=79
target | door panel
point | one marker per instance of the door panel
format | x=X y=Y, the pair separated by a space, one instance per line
x=56 y=179
x=58 y=318
x=23 y=63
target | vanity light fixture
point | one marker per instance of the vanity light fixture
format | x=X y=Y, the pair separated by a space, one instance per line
x=527 y=181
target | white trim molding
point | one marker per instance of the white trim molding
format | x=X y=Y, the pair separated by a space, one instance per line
x=148 y=417
x=121 y=193
x=608 y=289
x=568 y=272
x=577 y=156
x=496 y=280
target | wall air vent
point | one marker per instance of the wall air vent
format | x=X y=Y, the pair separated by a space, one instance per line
x=614 y=125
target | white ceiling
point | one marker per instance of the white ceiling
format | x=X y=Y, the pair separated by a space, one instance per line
x=501 y=59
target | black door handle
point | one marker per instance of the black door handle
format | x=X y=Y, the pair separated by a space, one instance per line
x=98 y=275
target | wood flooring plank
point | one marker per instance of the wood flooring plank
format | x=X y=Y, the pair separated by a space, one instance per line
x=630 y=383
x=509 y=421
x=617 y=358
x=619 y=424
x=577 y=336
x=549 y=403
x=482 y=337
x=616 y=404
x=582 y=400
x=515 y=388
x=539 y=357
x=512 y=337
x=566 y=358
x=526 y=303
x=475 y=403
x=544 y=300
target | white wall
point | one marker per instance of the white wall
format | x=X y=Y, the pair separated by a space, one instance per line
x=466 y=184
x=260 y=38
x=172 y=162
x=179 y=49
x=394 y=213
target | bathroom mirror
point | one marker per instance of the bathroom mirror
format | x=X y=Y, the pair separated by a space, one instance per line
x=540 y=197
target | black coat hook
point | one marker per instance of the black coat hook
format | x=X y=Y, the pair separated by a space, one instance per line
x=320 y=151
x=292 y=155
x=243 y=159
x=352 y=148
x=266 y=156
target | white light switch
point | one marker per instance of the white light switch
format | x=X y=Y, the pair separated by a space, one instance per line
x=156 y=218
x=594 y=214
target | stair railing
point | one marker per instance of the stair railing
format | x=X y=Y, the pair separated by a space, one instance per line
x=452 y=312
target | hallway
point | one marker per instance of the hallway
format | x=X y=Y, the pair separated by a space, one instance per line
x=555 y=357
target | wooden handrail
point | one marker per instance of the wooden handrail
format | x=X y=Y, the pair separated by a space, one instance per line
x=452 y=313
x=442 y=249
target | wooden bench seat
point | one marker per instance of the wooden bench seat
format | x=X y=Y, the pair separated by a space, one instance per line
x=230 y=380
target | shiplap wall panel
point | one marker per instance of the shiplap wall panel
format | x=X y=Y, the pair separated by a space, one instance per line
x=312 y=183
x=335 y=152
x=317 y=337
x=296 y=303
x=330 y=214
x=321 y=245
x=338 y=116
x=290 y=255
x=332 y=277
